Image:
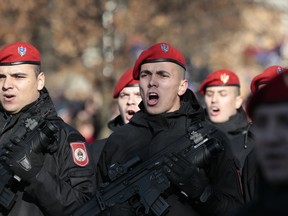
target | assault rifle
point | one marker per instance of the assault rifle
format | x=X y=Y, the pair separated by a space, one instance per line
x=38 y=133
x=146 y=181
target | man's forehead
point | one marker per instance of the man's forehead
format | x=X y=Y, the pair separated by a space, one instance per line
x=17 y=68
x=130 y=89
x=158 y=66
x=220 y=88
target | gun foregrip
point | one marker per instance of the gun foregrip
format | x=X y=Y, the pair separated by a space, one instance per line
x=159 y=207
x=7 y=198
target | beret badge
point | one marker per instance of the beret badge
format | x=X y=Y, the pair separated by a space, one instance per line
x=22 y=50
x=164 y=47
x=279 y=70
x=224 y=78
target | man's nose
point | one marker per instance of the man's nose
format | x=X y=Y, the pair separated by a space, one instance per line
x=269 y=135
x=131 y=100
x=153 y=81
x=214 y=98
x=7 y=83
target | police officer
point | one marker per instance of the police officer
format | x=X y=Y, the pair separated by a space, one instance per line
x=263 y=78
x=223 y=106
x=52 y=169
x=128 y=97
x=268 y=109
x=127 y=94
x=168 y=112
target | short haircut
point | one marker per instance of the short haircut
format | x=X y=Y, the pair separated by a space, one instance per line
x=37 y=69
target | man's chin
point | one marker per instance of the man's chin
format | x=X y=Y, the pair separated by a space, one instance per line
x=216 y=119
x=9 y=109
x=152 y=110
x=126 y=120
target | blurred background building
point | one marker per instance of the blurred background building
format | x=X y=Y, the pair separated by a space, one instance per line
x=87 y=44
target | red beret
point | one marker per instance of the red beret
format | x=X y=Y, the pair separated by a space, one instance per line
x=275 y=91
x=125 y=80
x=160 y=52
x=263 y=78
x=222 y=77
x=19 y=53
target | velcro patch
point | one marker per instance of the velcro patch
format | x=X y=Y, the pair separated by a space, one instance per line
x=79 y=153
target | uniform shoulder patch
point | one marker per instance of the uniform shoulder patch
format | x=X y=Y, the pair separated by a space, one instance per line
x=79 y=152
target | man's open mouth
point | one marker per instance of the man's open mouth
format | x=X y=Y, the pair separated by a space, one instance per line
x=8 y=97
x=131 y=112
x=214 y=110
x=153 y=98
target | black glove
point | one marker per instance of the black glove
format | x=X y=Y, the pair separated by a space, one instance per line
x=185 y=175
x=22 y=160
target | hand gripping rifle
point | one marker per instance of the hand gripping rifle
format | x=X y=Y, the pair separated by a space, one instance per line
x=41 y=134
x=146 y=181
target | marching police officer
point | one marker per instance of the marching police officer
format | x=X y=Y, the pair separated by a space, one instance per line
x=268 y=109
x=52 y=168
x=168 y=112
x=223 y=106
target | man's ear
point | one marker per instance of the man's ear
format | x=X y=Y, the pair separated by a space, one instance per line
x=41 y=81
x=239 y=102
x=182 y=87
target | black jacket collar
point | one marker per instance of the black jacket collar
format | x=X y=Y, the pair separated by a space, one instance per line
x=190 y=108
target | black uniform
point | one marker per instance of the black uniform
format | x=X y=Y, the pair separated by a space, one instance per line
x=145 y=135
x=269 y=201
x=62 y=185
x=238 y=130
x=96 y=147
x=115 y=123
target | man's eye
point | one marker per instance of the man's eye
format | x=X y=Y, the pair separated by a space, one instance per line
x=122 y=95
x=163 y=74
x=143 y=75
x=19 y=76
x=260 y=122
x=283 y=121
